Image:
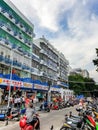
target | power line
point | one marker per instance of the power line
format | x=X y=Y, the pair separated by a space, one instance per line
x=81 y=82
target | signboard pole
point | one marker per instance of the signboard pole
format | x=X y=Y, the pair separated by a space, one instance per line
x=49 y=91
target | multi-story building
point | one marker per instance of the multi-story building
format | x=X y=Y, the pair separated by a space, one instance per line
x=16 y=35
x=48 y=60
x=80 y=71
x=35 y=71
x=63 y=69
x=38 y=63
x=53 y=65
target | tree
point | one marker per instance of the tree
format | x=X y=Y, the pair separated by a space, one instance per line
x=76 y=83
x=81 y=85
x=95 y=61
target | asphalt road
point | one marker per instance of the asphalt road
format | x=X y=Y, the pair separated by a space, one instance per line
x=55 y=118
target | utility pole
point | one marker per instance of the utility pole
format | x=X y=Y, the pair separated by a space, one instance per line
x=49 y=92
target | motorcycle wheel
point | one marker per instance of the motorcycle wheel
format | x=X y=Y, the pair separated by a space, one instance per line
x=65 y=128
x=48 y=110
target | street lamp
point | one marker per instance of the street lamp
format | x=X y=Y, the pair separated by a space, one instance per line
x=13 y=47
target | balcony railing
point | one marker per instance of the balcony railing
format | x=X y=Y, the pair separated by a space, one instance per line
x=16 y=63
x=8 y=60
x=1 y=58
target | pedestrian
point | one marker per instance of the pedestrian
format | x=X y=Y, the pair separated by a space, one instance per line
x=6 y=99
x=81 y=104
x=15 y=102
x=2 y=99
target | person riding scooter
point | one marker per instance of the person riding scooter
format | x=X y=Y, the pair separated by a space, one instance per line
x=30 y=115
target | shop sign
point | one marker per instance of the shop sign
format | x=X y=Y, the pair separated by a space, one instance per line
x=27 y=85
x=55 y=89
x=16 y=83
x=9 y=82
x=42 y=87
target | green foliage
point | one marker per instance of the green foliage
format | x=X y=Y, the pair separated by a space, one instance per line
x=81 y=85
x=95 y=61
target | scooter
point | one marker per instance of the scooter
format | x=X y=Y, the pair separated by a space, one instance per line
x=25 y=126
x=74 y=123
x=42 y=108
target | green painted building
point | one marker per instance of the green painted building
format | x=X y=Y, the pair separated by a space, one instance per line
x=16 y=39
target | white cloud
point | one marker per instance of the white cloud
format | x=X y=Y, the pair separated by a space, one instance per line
x=78 y=43
x=47 y=13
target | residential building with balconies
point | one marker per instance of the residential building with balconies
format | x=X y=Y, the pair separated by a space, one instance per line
x=63 y=69
x=35 y=71
x=16 y=36
x=53 y=64
x=82 y=72
x=48 y=60
x=35 y=64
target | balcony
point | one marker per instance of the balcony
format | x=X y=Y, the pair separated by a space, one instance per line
x=3 y=10
x=7 y=42
x=20 y=49
x=1 y=58
x=43 y=62
x=0 y=8
x=1 y=24
x=8 y=26
x=43 y=73
x=16 y=63
x=21 y=25
x=19 y=64
x=10 y=15
x=43 y=52
x=16 y=21
x=8 y=60
x=15 y=33
x=35 y=57
x=25 y=67
x=35 y=71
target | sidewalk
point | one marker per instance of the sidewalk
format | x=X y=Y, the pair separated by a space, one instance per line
x=12 y=123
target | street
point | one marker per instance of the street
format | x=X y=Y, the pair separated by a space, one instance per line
x=55 y=118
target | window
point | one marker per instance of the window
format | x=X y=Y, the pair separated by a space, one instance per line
x=10 y=15
x=9 y=56
x=8 y=27
x=2 y=53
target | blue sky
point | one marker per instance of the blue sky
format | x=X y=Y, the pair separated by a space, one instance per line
x=70 y=25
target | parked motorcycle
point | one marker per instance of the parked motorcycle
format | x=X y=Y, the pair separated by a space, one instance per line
x=42 y=108
x=13 y=114
x=84 y=122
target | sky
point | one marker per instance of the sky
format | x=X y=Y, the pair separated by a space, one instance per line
x=71 y=26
